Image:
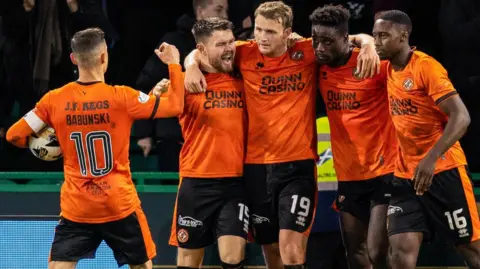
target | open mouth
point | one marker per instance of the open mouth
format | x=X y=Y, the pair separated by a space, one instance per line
x=227 y=58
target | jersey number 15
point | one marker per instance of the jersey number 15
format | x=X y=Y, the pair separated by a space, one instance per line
x=88 y=149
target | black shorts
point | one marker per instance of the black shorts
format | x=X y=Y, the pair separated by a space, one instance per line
x=359 y=197
x=281 y=196
x=129 y=238
x=207 y=209
x=447 y=209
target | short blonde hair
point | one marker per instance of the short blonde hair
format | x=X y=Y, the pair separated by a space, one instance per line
x=277 y=11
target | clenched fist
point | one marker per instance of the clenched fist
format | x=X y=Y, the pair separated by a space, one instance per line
x=161 y=87
x=168 y=54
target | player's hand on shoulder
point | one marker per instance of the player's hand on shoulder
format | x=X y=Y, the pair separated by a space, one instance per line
x=161 y=87
x=168 y=54
x=293 y=38
x=194 y=80
x=368 y=62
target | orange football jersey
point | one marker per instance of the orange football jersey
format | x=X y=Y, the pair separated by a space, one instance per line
x=362 y=134
x=414 y=95
x=214 y=129
x=92 y=123
x=280 y=97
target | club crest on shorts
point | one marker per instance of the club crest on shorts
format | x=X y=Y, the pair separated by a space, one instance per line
x=297 y=55
x=408 y=84
x=182 y=236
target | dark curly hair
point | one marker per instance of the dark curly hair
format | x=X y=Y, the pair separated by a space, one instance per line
x=331 y=16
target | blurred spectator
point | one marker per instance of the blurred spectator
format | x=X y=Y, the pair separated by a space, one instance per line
x=33 y=53
x=92 y=13
x=140 y=24
x=241 y=15
x=459 y=26
x=16 y=64
x=167 y=131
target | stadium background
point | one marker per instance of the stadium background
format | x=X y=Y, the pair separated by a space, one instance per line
x=29 y=188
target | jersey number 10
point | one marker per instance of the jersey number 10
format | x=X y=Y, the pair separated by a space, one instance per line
x=88 y=149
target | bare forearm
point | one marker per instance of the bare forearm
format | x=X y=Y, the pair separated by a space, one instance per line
x=454 y=130
x=361 y=40
x=192 y=60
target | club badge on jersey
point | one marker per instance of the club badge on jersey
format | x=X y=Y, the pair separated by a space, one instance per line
x=143 y=98
x=408 y=84
x=297 y=55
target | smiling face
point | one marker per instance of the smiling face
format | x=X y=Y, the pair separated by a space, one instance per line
x=219 y=49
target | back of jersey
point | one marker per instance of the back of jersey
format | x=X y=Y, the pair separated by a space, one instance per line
x=93 y=123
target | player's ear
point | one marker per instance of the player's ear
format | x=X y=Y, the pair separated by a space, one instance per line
x=404 y=36
x=72 y=58
x=287 y=32
x=103 y=57
x=201 y=47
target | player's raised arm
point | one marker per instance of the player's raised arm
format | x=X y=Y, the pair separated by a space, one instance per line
x=143 y=106
x=33 y=122
x=368 y=64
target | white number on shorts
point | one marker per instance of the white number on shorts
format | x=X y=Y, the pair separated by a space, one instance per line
x=304 y=205
x=243 y=214
x=454 y=221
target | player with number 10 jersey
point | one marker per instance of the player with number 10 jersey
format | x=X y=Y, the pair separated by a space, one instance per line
x=92 y=121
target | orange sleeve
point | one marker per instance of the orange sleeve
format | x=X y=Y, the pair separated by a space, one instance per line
x=33 y=122
x=436 y=81
x=142 y=106
x=241 y=49
x=18 y=133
